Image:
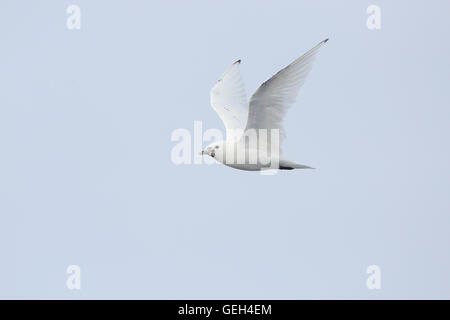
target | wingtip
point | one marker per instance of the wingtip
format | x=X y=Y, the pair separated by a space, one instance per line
x=326 y=40
x=238 y=62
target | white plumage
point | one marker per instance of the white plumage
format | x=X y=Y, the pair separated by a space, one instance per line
x=265 y=110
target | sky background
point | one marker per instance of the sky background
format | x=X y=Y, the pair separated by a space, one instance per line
x=86 y=176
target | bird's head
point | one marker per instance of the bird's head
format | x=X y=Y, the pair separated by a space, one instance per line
x=214 y=150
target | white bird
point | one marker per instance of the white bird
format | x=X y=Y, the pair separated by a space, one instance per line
x=245 y=120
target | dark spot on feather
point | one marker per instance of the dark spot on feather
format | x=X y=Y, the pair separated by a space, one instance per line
x=286 y=168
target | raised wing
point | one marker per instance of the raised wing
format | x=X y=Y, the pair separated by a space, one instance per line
x=229 y=100
x=272 y=99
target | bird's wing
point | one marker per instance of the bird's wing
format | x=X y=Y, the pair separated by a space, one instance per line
x=272 y=99
x=229 y=100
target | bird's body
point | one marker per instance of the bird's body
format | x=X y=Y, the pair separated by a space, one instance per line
x=250 y=159
x=254 y=129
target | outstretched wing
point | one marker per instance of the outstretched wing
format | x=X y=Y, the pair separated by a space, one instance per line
x=229 y=100
x=272 y=99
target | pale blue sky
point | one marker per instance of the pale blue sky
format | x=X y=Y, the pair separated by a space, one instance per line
x=86 y=176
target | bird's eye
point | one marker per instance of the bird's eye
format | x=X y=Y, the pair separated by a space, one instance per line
x=217 y=147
